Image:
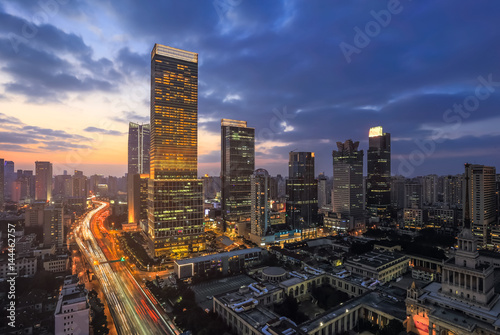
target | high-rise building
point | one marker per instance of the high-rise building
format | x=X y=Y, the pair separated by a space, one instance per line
x=260 y=210
x=79 y=185
x=138 y=198
x=138 y=148
x=378 y=187
x=301 y=191
x=175 y=194
x=398 y=192
x=322 y=190
x=237 y=165
x=413 y=195
x=481 y=185
x=2 y=183
x=347 y=195
x=43 y=181
x=430 y=189
x=53 y=226
x=9 y=178
x=72 y=314
x=452 y=190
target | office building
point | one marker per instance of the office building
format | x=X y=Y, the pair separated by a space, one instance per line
x=398 y=192
x=175 y=194
x=481 y=186
x=378 y=188
x=43 y=181
x=347 y=194
x=139 y=137
x=237 y=165
x=138 y=148
x=301 y=191
x=413 y=195
x=322 y=191
x=79 y=185
x=260 y=209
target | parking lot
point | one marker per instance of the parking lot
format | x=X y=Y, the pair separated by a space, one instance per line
x=215 y=287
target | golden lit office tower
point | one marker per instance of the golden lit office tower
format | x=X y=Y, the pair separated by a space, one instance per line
x=175 y=195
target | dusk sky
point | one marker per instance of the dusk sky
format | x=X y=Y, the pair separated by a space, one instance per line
x=305 y=74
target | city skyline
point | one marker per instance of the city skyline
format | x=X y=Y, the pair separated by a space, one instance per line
x=295 y=110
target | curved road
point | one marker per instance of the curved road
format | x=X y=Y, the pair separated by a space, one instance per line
x=132 y=310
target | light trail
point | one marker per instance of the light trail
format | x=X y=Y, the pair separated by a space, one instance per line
x=122 y=291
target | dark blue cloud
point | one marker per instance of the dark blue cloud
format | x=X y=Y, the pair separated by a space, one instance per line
x=103 y=131
x=286 y=54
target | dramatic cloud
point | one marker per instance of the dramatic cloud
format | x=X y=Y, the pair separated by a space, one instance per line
x=279 y=66
x=103 y=131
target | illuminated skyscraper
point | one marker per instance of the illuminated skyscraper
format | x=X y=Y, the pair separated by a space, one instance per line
x=301 y=191
x=238 y=164
x=378 y=181
x=175 y=195
x=138 y=171
x=481 y=188
x=347 y=195
x=43 y=181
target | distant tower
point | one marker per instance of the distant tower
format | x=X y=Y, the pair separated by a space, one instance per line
x=480 y=188
x=43 y=181
x=175 y=194
x=378 y=187
x=2 y=183
x=347 y=195
x=260 y=210
x=138 y=148
x=301 y=191
x=237 y=165
x=138 y=171
x=322 y=190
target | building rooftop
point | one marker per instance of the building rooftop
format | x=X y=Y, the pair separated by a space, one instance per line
x=274 y=271
x=217 y=256
x=372 y=299
x=376 y=259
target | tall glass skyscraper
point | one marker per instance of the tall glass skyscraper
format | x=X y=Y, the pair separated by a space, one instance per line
x=138 y=148
x=378 y=181
x=347 y=195
x=238 y=164
x=301 y=191
x=175 y=195
x=138 y=171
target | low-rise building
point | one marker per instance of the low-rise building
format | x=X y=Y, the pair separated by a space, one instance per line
x=22 y=267
x=59 y=263
x=72 y=310
x=379 y=265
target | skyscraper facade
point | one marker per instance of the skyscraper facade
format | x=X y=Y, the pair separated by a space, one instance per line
x=481 y=191
x=139 y=137
x=322 y=190
x=301 y=191
x=237 y=165
x=347 y=195
x=378 y=187
x=138 y=148
x=175 y=195
x=260 y=210
x=43 y=181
